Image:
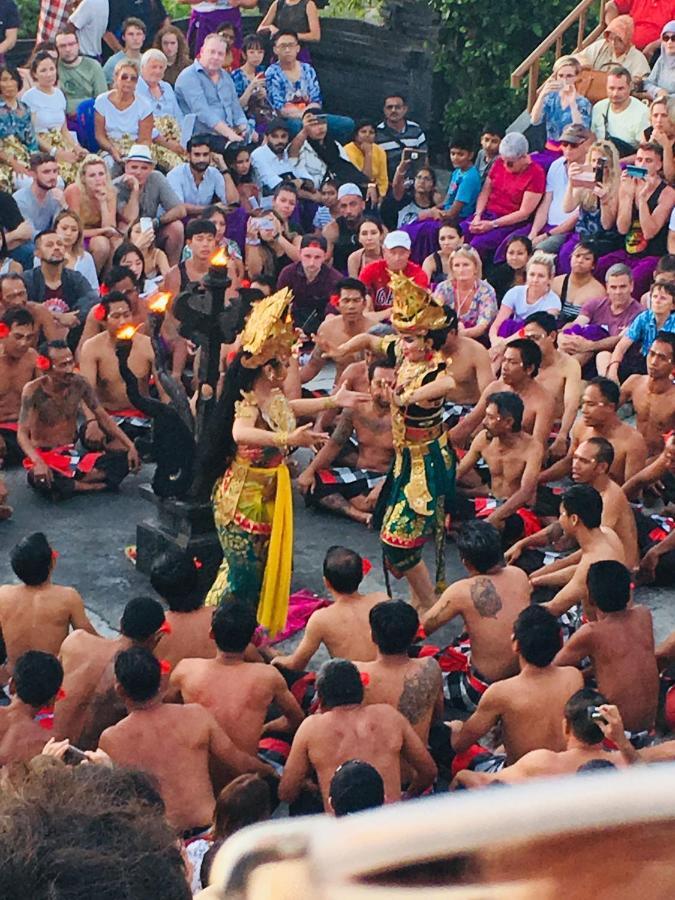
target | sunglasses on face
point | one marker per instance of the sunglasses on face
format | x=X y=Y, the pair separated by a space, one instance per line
x=128 y=77
x=668 y=37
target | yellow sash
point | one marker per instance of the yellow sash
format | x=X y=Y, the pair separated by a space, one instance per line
x=276 y=586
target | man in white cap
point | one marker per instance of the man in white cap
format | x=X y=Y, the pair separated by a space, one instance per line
x=376 y=275
x=144 y=193
x=342 y=234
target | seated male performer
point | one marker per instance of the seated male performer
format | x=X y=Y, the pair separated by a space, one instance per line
x=48 y=431
x=17 y=368
x=488 y=601
x=14 y=295
x=653 y=394
x=468 y=363
x=354 y=491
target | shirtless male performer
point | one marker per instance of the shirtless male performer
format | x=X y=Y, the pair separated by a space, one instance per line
x=620 y=646
x=91 y=704
x=468 y=363
x=349 y=729
x=599 y=418
x=529 y=706
x=123 y=280
x=17 y=368
x=344 y=626
x=34 y=685
x=237 y=693
x=14 y=295
x=514 y=461
x=48 y=427
x=37 y=615
x=488 y=601
x=172 y=743
x=353 y=491
x=520 y=367
x=653 y=394
x=559 y=374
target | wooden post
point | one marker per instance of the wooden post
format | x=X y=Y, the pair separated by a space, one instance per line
x=533 y=84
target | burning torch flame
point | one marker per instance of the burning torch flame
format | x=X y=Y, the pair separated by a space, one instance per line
x=161 y=301
x=126 y=333
x=219 y=258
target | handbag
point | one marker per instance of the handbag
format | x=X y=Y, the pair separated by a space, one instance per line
x=592 y=84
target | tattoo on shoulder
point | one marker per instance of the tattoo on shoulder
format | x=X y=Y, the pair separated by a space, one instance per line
x=419 y=691
x=343 y=428
x=485 y=598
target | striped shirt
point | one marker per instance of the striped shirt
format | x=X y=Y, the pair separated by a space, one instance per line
x=393 y=142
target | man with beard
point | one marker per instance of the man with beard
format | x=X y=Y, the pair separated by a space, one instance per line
x=312 y=282
x=354 y=491
x=48 y=427
x=653 y=394
x=271 y=162
x=196 y=183
x=342 y=233
x=41 y=200
x=17 y=368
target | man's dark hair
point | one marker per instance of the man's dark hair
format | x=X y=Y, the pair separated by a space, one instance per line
x=666 y=337
x=339 y=684
x=17 y=315
x=379 y=363
x=36 y=160
x=462 y=141
x=31 y=559
x=37 y=678
x=530 y=354
x=595 y=765
x=653 y=147
x=139 y=673
x=56 y=344
x=603 y=450
x=492 y=128
x=666 y=262
x=284 y=186
x=314 y=240
x=114 y=297
x=45 y=231
x=350 y=284
x=608 y=583
x=452 y=319
x=199 y=140
x=119 y=273
x=583 y=501
x=396 y=96
x=133 y=21
x=577 y=714
x=233 y=625
x=174 y=576
x=589 y=247
x=621 y=72
x=608 y=388
x=544 y=319
x=538 y=634
x=355 y=786
x=142 y=617
x=199 y=226
x=280 y=34
x=343 y=569
x=480 y=545
x=509 y=404
x=393 y=624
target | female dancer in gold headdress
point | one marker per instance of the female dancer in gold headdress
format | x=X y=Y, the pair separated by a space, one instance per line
x=252 y=432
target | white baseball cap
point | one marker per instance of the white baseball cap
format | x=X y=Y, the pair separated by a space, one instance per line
x=397 y=239
x=349 y=190
x=140 y=152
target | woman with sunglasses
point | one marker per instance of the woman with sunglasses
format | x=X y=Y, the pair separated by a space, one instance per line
x=559 y=105
x=661 y=80
x=121 y=117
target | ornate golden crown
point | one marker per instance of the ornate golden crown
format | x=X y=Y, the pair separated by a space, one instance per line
x=414 y=310
x=268 y=332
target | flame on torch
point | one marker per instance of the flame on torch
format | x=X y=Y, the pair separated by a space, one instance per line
x=219 y=258
x=160 y=302
x=126 y=333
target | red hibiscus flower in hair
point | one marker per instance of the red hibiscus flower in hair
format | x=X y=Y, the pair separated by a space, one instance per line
x=366 y=566
x=99 y=312
x=4 y=330
x=334 y=300
x=43 y=363
x=103 y=290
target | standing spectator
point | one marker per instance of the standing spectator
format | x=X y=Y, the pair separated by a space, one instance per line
x=144 y=192
x=616 y=48
x=90 y=21
x=621 y=118
x=196 y=183
x=80 y=77
x=206 y=90
x=68 y=226
x=311 y=280
x=377 y=275
x=396 y=132
x=53 y=16
x=94 y=198
x=150 y=13
x=121 y=117
x=559 y=105
x=47 y=104
x=368 y=156
x=41 y=200
x=661 y=80
x=171 y=41
x=511 y=193
x=9 y=27
x=208 y=15
x=299 y=16
x=649 y=17
x=133 y=36
x=167 y=115
x=465 y=291
x=17 y=136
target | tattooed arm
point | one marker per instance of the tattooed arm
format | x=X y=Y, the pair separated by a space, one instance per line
x=421 y=689
x=343 y=431
x=41 y=470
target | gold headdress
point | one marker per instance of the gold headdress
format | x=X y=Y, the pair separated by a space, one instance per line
x=269 y=332
x=414 y=310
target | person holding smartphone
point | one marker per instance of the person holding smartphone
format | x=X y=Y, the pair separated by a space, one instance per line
x=559 y=105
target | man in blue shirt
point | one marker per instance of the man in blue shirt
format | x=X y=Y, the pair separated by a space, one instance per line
x=206 y=90
x=197 y=183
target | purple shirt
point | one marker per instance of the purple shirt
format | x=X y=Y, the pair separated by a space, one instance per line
x=599 y=312
x=309 y=296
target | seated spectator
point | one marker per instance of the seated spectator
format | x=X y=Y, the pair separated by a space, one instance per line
x=319 y=155
x=662 y=131
x=596 y=204
x=41 y=200
x=47 y=104
x=661 y=80
x=272 y=242
x=616 y=48
x=418 y=202
x=648 y=19
x=437 y=264
x=579 y=285
x=342 y=233
x=465 y=182
x=511 y=273
x=216 y=215
x=15 y=232
x=17 y=136
x=396 y=132
x=94 y=198
x=559 y=105
x=205 y=20
x=68 y=226
x=167 y=115
x=205 y=89
x=510 y=195
x=24 y=71
x=328 y=210
x=621 y=118
x=238 y=176
x=144 y=192
x=376 y=276
x=465 y=291
x=602 y=321
x=122 y=117
x=129 y=257
x=490 y=139
x=644 y=328
x=80 y=77
x=370 y=237
x=232 y=60
x=133 y=37
x=155 y=262
x=249 y=83
x=198 y=184
x=312 y=282
x=171 y=41
x=293 y=85
x=271 y=162
x=298 y=16
x=89 y=22
x=369 y=157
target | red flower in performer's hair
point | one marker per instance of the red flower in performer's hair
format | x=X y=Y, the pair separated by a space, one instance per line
x=164 y=666
x=4 y=330
x=366 y=566
x=521 y=332
x=55 y=555
x=365 y=679
x=197 y=562
x=420 y=634
x=103 y=290
x=164 y=628
x=44 y=363
x=99 y=312
x=60 y=694
x=245 y=283
x=334 y=299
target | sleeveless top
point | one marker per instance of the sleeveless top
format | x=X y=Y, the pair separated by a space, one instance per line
x=636 y=243
x=569 y=310
x=292 y=18
x=185 y=281
x=439 y=275
x=347 y=242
